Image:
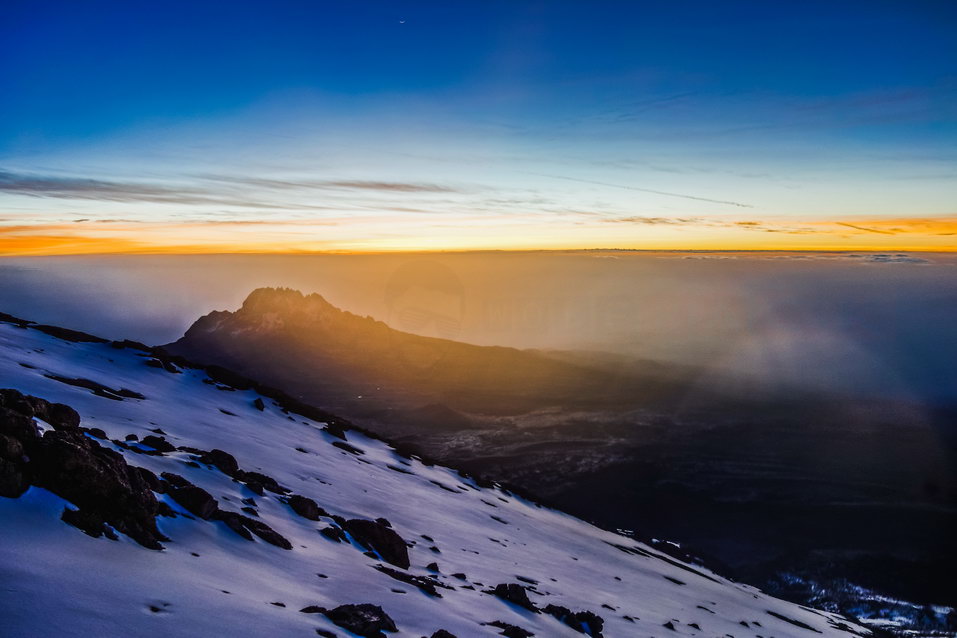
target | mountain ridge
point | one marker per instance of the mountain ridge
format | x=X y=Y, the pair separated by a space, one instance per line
x=219 y=447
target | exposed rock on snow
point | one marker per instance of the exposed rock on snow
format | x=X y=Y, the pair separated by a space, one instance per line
x=380 y=539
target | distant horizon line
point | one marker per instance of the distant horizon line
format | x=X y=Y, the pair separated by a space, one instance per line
x=307 y=253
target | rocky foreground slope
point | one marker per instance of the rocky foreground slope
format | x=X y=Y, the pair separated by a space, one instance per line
x=143 y=498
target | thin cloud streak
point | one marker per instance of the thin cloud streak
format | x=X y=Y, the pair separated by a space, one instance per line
x=644 y=190
x=867 y=230
x=365 y=185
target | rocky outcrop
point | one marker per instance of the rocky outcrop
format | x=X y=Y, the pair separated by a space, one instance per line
x=224 y=461
x=380 y=539
x=106 y=490
x=306 y=507
x=246 y=527
x=368 y=621
x=515 y=594
x=584 y=622
x=195 y=500
x=509 y=630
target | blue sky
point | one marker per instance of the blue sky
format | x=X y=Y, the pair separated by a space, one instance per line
x=365 y=124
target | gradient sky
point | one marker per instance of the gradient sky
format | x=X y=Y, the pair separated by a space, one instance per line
x=365 y=126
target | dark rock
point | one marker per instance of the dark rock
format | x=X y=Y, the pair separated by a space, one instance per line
x=97 y=388
x=325 y=633
x=515 y=594
x=131 y=437
x=342 y=445
x=432 y=567
x=98 y=481
x=441 y=633
x=151 y=480
x=10 y=448
x=195 y=500
x=255 y=487
x=59 y=416
x=383 y=521
x=68 y=335
x=89 y=523
x=306 y=507
x=669 y=625
x=333 y=533
x=383 y=540
x=224 y=461
x=510 y=631
x=258 y=404
x=175 y=479
x=158 y=443
x=17 y=425
x=368 y=621
x=312 y=609
x=243 y=525
x=265 y=482
x=13 y=481
x=95 y=432
x=164 y=509
x=584 y=622
x=234 y=522
x=426 y=584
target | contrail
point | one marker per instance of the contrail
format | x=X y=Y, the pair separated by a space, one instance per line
x=866 y=229
x=643 y=190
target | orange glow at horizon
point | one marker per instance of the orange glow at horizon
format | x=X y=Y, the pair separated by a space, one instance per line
x=853 y=234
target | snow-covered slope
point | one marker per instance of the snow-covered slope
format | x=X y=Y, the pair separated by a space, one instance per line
x=210 y=581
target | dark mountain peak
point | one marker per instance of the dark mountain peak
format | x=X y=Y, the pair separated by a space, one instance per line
x=286 y=301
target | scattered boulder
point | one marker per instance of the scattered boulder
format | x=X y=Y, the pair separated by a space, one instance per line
x=342 y=445
x=368 y=621
x=381 y=539
x=224 y=461
x=257 y=482
x=441 y=633
x=426 y=584
x=515 y=594
x=306 y=507
x=333 y=533
x=584 y=622
x=195 y=500
x=246 y=527
x=510 y=631
x=258 y=404
x=158 y=443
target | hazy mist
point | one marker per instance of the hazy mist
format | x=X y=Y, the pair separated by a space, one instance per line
x=859 y=323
